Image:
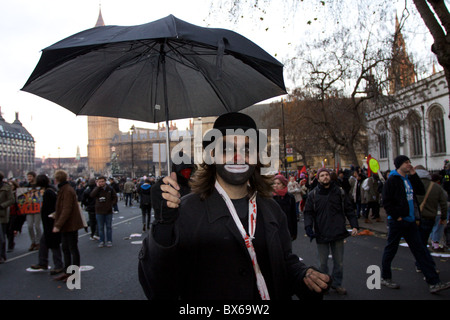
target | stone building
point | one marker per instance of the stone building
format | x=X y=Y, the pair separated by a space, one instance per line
x=17 y=148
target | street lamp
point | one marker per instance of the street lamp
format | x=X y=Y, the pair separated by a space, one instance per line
x=132 y=129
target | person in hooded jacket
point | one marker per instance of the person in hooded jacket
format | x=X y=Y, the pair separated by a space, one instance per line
x=287 y=202
x=6 y=200
x=400 y=202
x=326 y=210
x=145 y=203
x=89 y=204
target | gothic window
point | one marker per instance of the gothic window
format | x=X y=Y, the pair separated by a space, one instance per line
x=415 y=134
x=437 y=130
x=396 y=136
x=382 y=141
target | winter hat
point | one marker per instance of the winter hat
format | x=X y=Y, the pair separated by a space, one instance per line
x=281 y=178
x=400 y=160
x=321 y=170
x=233 y=120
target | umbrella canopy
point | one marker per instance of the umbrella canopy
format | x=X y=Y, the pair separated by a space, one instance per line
x=163 y=70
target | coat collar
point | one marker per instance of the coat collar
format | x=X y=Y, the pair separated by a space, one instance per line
x=216 y=209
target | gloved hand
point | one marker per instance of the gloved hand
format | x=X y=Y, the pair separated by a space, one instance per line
x=310 y=232
x=165 y=199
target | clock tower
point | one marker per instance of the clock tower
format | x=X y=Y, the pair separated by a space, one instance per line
x=101 y=130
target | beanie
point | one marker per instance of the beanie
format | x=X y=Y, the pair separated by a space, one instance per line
x=321 y=170
x=400 y=160
x=281 y=178
x=235 y=121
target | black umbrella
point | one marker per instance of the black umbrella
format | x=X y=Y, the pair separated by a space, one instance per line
x=160 y=71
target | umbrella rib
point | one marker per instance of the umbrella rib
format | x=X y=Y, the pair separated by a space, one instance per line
x=196 y=68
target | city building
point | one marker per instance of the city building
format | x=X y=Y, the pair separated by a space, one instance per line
x=17 y=148
x=413 y=125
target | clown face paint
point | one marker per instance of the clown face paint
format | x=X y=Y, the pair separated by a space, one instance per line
x=235 y=174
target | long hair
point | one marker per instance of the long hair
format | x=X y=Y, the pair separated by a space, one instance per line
x=204 y=179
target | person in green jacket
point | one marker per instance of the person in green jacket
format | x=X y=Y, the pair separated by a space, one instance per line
x=6 y=200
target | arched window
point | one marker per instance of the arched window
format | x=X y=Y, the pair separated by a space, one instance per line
x=437 y=130
x=415 y=134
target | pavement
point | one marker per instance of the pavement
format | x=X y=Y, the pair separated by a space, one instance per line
x=380 y=227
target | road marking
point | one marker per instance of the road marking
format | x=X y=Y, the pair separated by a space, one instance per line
x=80 y=236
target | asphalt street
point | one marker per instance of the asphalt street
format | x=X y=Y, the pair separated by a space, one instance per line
x=111 y=273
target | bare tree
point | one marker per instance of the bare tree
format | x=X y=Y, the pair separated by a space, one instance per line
x=436 y=16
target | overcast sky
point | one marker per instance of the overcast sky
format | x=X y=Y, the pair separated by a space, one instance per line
x=28 y=26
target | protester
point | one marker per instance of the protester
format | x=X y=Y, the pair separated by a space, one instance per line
x=49 y=240
x=400 y=202
x=33 y=219
x=296 y=191
x=439 y=226
x=372 y=195
x=434 y=199
x=89 y=205
x=128 y=190
x=303 y=193
x=6 y=200
x=199 y=247
x=287 y=203
x=67 y=221
x=326 y=211
x=16 y=219
x=145 y=203
x=105 y=198
x=115 y=186
x=357 y=195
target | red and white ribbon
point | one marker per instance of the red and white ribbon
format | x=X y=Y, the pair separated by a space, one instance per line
x=252 y=210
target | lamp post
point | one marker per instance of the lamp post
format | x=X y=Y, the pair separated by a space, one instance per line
x=132 y=129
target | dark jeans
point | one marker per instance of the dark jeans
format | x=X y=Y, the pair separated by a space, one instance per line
x=375 y=206
x=43 y=254
x=69 y=244
x=93 y=223
x=410 y=232
x=146 y=214
x=425 y=228
x=128 y=198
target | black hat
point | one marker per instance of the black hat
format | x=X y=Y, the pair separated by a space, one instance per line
x=232 y=120
x=400 y=160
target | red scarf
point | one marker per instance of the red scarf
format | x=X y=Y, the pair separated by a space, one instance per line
x=281 y=192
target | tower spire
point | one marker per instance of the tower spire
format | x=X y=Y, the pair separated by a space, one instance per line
x=100 y=22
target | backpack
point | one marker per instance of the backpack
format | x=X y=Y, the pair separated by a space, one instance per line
x=314 y=191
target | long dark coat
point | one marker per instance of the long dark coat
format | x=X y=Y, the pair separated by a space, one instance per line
x=209 y=259
x=52 y=239
x=327 y=213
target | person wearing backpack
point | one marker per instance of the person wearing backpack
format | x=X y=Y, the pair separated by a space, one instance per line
x=326 y=210
x=145 y=203
x=105 y=197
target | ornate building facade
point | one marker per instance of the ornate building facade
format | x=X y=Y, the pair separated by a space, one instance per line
x=413 y=125
x=17 y=148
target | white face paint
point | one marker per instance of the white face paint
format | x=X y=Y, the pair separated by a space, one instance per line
x=236 y=168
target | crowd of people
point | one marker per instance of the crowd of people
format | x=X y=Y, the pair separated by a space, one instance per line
x=62 y=202
x=222 y=196
x=361 y=194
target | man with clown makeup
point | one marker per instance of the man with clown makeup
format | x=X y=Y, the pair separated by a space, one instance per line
x=227 y=239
